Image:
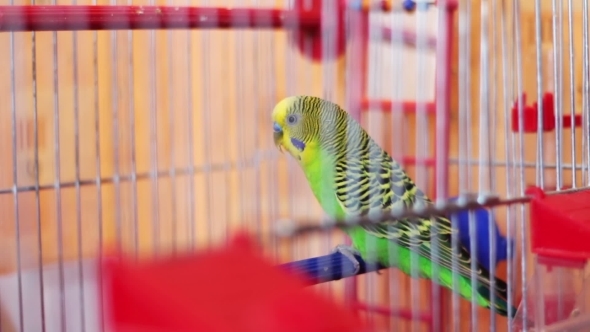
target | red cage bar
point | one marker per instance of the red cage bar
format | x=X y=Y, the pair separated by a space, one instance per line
x=71 y=18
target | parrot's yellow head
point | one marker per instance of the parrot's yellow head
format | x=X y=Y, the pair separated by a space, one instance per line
x=304 y=124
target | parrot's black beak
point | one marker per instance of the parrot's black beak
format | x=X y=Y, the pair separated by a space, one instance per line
x=277 y=135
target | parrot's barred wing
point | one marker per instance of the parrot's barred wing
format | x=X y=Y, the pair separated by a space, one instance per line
x=407 y=233
x=375 y=182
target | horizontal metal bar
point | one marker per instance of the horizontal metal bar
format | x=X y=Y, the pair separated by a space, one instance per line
x=285 y=229
x=289 y=228
x=71 y=18
x=177 y=171
x=104 y=180
x=526 y=164
x=146 y=175
x=250 y=163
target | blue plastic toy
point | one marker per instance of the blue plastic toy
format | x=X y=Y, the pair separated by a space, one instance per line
x=482 y=235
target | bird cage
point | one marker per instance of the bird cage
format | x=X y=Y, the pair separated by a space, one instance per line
x=138 y=140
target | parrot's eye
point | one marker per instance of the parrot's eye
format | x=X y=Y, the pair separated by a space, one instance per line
x=291 y=119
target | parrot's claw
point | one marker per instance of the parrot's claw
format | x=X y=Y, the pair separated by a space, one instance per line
x=349 y=252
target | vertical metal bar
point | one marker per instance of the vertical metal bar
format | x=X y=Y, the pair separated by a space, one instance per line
x=572 y=91
x=15 y=184
x=37 y=193
x=191 y=139
x=557 y=73
x=373 y=83
x=521 y=175
x=172 y=141
x=473 y=252
x=464 y=63
x=398 y=153
x=422 y=137
x=328 y=48
x=97 y=178
x=443 y=78
x=303 y=250
x=507 y=143
x=586 y=93
x=483 y=138
x=291 y=71
x=116 y=133
x=483 y=149
x=155 y=189
x=257 y=115
x=519 y=85
x=77 y=175
x=356 y=90
x=492 y=142
x=228 y=167
x=132 y=129
x=290 y=85
x=422 y=132
x=57 y=185
x=485 y=180
x=494 y=96
x=206 y=107
x=131 y=91
x=540 y=178
x=329 y=21
x=269 y=50
x=443 y=83
x=455 y=305
x=241 y=100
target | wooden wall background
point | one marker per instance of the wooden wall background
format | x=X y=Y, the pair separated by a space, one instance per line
x=241 y=180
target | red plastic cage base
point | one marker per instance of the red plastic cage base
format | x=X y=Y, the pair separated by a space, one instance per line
x=560 y=224
x=224 y=290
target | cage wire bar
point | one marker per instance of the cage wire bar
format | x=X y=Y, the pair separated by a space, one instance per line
x=504 y=70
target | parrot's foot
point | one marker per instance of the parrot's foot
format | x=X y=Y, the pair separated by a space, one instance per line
x=349 y=252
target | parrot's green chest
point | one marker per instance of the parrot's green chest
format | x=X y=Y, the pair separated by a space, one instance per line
x=321 y=177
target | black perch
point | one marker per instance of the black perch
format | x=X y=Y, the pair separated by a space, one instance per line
x=329 y=268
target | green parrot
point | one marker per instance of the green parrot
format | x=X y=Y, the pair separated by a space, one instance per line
x=350 y=175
